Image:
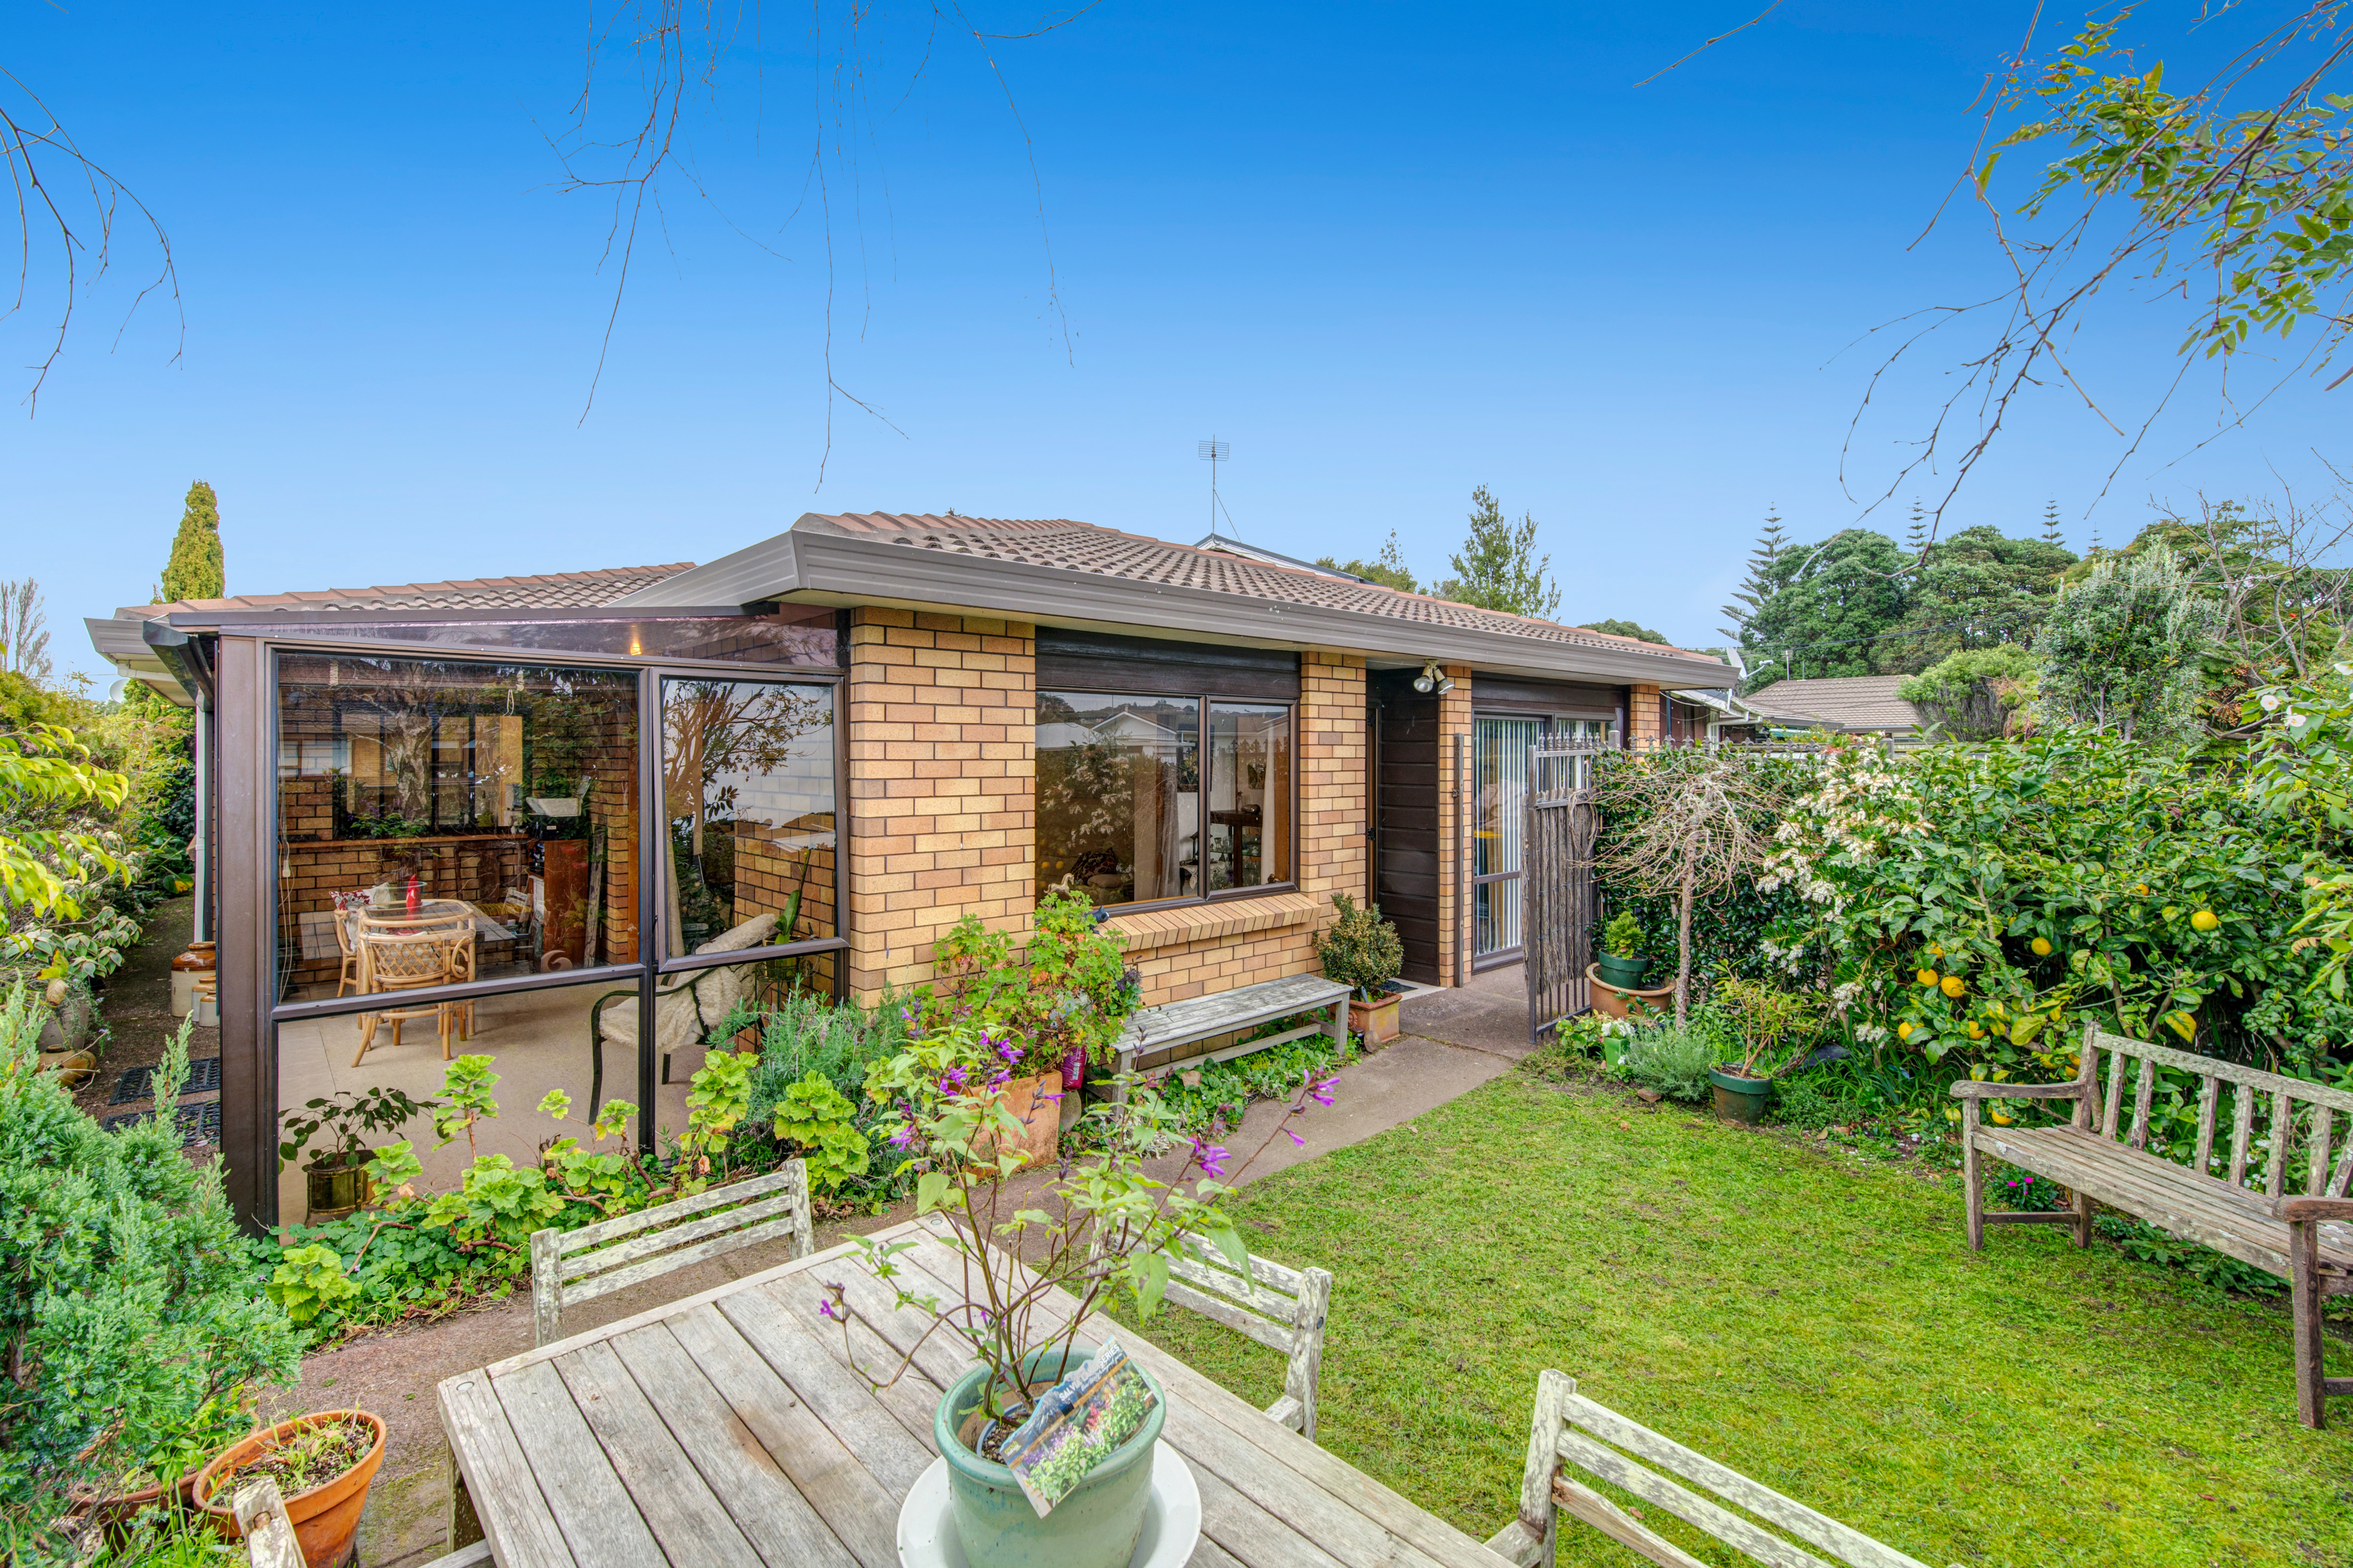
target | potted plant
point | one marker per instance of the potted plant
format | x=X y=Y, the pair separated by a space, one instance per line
x=1063 y=1006
x=1362 y=952
x=1622 y=964
x=336 y=1174
x=1773 y=1027
x=165 y=1474
x=1103 y=1225
x=323 y=1464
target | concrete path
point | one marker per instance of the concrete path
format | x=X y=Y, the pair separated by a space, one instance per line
x=1457 y=1040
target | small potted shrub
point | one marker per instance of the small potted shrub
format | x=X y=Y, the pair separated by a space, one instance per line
x=336 y=1176
x=1621 y=963
x=323 y=1464
x=1773 y=1027
x=1363 y=952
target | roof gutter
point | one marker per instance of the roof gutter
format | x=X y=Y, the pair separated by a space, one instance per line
x=870 y=572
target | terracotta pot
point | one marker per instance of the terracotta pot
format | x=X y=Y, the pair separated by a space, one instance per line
x=326 y=1518
x=1626 y=1001
x=1377 y=1021
x=1034 y=1100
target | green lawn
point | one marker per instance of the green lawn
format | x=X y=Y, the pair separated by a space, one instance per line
x=1809 y=1317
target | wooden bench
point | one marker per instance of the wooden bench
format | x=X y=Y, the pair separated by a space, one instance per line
x=611 y=1255
x=1568 y=1429
x=1174 y=1023
x=2306 y=1240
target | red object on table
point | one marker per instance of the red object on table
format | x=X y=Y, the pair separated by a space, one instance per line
x=412 y=892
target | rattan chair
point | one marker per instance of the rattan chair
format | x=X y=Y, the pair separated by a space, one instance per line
x=457 y=924
x=409 y=963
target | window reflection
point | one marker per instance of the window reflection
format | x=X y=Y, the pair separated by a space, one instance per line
x=1119 y=795
x=1250 y=795
x=495 y=801
x=748 y=787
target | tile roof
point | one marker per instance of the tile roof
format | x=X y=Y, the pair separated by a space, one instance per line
x=1107 y=553
x=554 y=591
x=1840 y=703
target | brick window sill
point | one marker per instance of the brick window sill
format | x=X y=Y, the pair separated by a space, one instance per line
x=1205 y=923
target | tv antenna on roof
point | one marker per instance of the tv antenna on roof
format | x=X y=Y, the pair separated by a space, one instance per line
x=1213 y=452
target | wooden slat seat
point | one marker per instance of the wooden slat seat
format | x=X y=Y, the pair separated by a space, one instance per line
x=571 y=1266
x=2306 y=1240
x=1174 y=1024
x=1282 y=1308
x=1570 y=1430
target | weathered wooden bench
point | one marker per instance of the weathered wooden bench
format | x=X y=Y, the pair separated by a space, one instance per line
x=2304 y=1239
x=1570 y=1429
x=597 y=1259
x=1174 y=1024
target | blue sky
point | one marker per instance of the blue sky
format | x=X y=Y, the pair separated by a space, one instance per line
x=1389 y=253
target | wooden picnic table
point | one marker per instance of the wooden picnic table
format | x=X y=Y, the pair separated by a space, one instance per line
x=728 y=1430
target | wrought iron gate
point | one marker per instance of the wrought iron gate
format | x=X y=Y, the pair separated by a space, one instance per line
x=1564 y=819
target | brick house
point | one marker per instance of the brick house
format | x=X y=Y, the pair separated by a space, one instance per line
x=623 y=800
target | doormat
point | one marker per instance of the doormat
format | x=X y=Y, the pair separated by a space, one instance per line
x=204 y=1077
x=199 y=1124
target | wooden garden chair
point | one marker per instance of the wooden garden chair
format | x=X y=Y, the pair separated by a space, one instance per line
x=568 y=1268
x=1282 y=1308
x=1570 y=1433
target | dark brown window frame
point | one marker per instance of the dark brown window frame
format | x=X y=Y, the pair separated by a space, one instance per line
x=255 y=997
x=1290 y=884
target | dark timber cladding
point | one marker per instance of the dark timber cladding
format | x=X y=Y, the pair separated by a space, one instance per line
x=1104 y=661
x=1405 y=825
x=1517 y=694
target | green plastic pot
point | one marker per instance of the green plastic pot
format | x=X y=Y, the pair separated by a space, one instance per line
x=1625 y=972
x=1739 y=1098
x=1096 y=1526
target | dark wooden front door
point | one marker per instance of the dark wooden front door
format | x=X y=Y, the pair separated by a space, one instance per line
x=1405 y=755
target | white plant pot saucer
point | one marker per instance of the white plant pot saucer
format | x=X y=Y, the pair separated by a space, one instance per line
x=1172 y=1518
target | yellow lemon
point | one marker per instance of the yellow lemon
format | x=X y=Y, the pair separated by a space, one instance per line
x=2042 y=946
x=1999 y=1119
x=1953 y=985
x=1903 y=1031
x=2141 y=888
x=1935 y=951
x=1977 y=1030
x=1926 y=977
x=2205 y=920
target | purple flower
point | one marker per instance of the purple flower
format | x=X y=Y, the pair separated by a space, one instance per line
x=905 y=1136
x=1320 y=1093
x=829 y=1305
x=1297 y=1142
x=1212 y=1157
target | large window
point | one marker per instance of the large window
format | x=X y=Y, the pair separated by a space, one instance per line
x=747 y=781
x=1143 y=799
x=492 y=803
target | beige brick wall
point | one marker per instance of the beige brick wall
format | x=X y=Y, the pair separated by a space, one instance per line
x=943 y=758
x=1454 y=795
x=1642 y=715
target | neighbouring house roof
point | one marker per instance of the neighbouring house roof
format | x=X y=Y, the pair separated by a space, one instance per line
x=1854 y=702
x=1067 y=572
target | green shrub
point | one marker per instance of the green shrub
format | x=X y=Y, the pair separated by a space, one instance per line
x=128 y=1299
x=1623 y=937
x=1362 y=951
x=1675 y=1062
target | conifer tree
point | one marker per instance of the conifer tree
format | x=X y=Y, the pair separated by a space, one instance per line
x=2051 y=533
x=1917 y=539
x=194 y=572
x=1498 y=568
x=1771 y=545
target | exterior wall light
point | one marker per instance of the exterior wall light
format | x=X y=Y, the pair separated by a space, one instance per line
x=1432 y=679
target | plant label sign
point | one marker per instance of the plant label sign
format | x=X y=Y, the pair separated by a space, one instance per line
x=1077 y=1425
